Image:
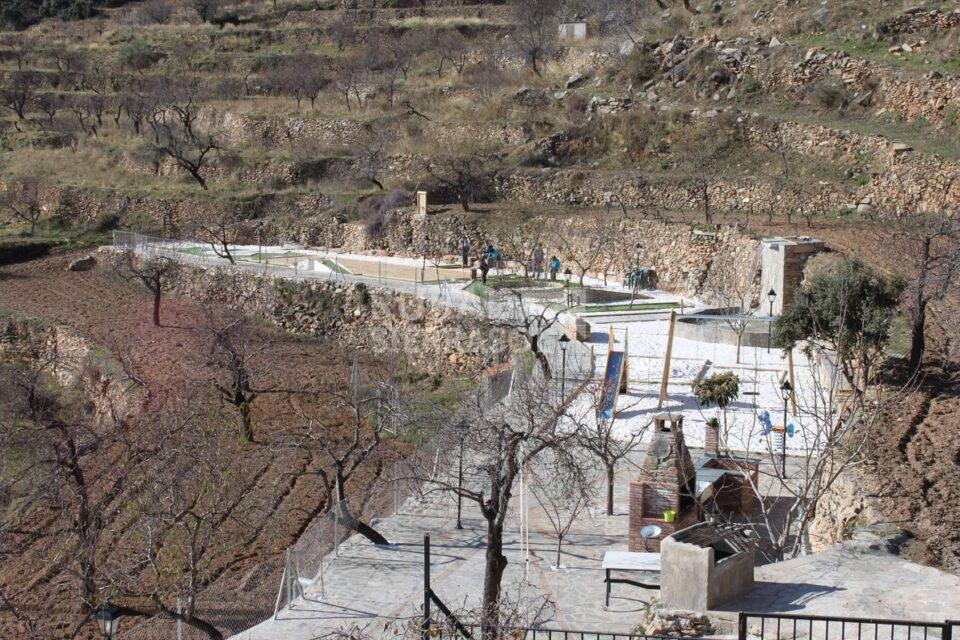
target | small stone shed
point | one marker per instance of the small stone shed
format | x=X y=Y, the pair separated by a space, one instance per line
x=781 y=269
x=573 y=29
x=667 y=481
x=705 y=566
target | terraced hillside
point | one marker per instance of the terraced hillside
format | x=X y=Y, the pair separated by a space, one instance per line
x=315 y=121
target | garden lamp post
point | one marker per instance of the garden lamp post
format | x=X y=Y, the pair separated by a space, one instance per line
x=260 y=241
x=108 y=620
x=463 y=435
x=568 y=274
x=563 y=366
x=771 y=296
x=785 y=391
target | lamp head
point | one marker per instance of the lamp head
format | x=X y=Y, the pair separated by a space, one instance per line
x=786 y=389
x=108 y=620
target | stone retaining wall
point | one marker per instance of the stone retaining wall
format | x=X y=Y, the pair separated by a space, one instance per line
x=71 y=360
x=378 y=320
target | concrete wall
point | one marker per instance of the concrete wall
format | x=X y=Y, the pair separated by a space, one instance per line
x=684 y=575
x=781 y=269
x=691 y=578
x=730 y=579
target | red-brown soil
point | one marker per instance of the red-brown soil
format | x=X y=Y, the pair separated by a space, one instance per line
x=115 y=315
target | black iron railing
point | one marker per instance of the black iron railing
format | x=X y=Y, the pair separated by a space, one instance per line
x=775 y=626
x=547 y=633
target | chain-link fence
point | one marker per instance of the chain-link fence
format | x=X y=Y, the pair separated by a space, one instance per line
x=236 y=603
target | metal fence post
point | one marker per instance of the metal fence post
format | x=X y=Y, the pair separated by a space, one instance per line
x=425 y=632
x=742 y=626
x=289 y=573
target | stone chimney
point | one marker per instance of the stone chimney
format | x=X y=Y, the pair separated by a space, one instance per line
x=711 y=438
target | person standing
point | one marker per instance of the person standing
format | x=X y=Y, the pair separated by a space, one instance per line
x=484 y=268
x=537 y=262
x=554 y=267
x=464 y=245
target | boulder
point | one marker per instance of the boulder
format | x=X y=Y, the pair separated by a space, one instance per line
x=575 y=80
x=83 y=264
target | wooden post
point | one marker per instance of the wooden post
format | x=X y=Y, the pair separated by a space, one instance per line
x=793 y=384
x=664 y=381
x=625 y=373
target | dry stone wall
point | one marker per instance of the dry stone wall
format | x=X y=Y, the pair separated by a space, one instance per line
x=681 y=256
x=244 y=129
x=377 y=320
x=73 y=362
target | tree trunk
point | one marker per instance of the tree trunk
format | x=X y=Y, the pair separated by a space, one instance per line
x=464 y=201
x=706 y=204
x=156 y=305
x=246 y=421
x=559 y=545
x=540 y=356
x=610 y=490
x=495 y=564
x=353 y=523
x=917 y=338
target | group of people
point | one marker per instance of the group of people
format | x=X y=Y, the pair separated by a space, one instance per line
x=491 y=258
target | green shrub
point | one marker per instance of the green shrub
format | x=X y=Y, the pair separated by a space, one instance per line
x=138 y=55
x=639 y=66
x=828 y=95
x=361 y=294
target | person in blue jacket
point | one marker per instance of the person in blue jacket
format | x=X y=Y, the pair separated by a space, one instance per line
x=554 y=266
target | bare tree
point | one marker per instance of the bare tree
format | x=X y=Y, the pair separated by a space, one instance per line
x=486 y=77
x=734 y=288
x=465 y=173
x=451 y=48
x=586 y=243
x=155 y=273
x=206 y=9
x=155 y=12
x=536 y=32
x=928 y=244
x=369 y=149
x=88 y=111
x=232 y=352
x=500 y=439
x=23 y=203
x=356 y=445
x=699 y=150
x=188 y=503
x=222 y=232
x=596 y=434
x=20 y=47
x=343 y=30
x=830 y=438
x=563 y=486
x=61 y=444
x=49 y=103
x=178 y=132
x=352 y=74
x=302 y=77
x=531 y=322
x=17 y=91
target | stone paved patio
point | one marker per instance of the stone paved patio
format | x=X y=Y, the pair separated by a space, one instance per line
x=367 y=586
